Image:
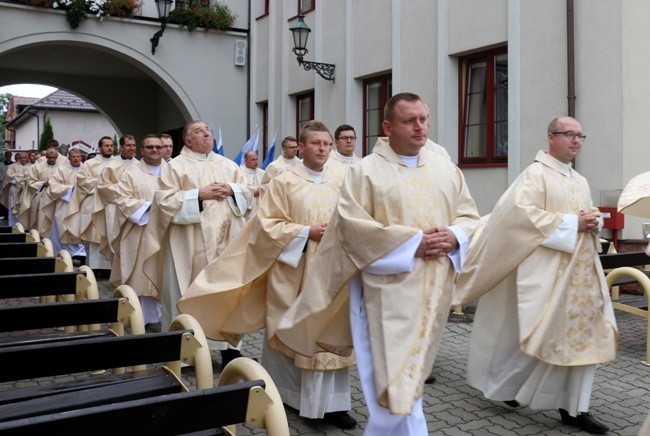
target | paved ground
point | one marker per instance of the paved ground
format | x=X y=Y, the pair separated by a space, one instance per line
x=621 y=396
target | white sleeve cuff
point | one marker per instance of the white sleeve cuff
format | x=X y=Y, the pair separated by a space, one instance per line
x=190 y=212
x=237 y=201
x=292 y=253
x=565 y=235
x=400 y=260
x=141 y=216
x=457 y=256
x=68 y=195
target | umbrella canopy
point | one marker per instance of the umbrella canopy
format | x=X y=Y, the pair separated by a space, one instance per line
x=635 y=198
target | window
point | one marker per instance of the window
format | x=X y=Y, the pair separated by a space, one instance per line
x=305 y=6
x=304 y=110
x=483 y=104
x=265 y=11
x=376 y=92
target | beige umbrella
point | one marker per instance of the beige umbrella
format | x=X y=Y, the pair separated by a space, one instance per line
x=635 y=198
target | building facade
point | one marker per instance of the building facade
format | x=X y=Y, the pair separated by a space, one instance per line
x=493 y=73
x=74 y=121
x=109 y=62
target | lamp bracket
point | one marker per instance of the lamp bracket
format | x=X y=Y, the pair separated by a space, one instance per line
x=326 y=71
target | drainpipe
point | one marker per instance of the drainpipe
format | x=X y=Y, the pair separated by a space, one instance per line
x=571 y=62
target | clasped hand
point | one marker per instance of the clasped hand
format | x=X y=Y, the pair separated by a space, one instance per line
x=215 y=191
x=588 y=221
x=437 y=241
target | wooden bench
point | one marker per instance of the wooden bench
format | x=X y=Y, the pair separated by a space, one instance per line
x=151 y=401
x=26 y=249
x=17 y=228
x=622 y=271
x=69 y=285
x=77 y=316
x=32 y=265
x=16 y=237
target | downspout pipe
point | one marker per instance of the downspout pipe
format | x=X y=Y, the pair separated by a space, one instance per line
x=571 y=62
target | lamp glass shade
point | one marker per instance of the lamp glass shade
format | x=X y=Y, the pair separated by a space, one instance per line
x=164 y=6
x=300 y=34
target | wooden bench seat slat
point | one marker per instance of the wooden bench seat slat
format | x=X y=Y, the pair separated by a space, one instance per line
x=89 y=395
x=33 y=361
x=175 y=414
x=27 y=265
x=40 y=316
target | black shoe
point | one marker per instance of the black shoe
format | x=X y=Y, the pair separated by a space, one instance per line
x=228 y=355
x=512 y=403
x=584 y=421
x=340 y=419
x=80 y=259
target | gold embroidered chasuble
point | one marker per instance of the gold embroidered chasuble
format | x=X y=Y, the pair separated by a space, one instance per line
x=63 y=178
x=199 y=241
x=78 y=220
x=136 y=187
x=383 y=203
x=31 y=198
x=11 y=191
x=104 y=216
x=565 y=313
x=247 y=288
x=277 y=166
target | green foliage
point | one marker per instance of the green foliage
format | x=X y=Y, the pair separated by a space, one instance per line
x=4 y=101
x=76 y=13
x=46 y=136
x=216 y=17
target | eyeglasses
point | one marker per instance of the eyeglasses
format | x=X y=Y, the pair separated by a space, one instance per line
x=151 y=147
x=347 y=138
x=291 y=147
x=572 y=135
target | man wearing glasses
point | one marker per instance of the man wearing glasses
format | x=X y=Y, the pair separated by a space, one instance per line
x=545 y=320
x=342 y=155
x=346 y=141
x=135 y=191
x=288 y=158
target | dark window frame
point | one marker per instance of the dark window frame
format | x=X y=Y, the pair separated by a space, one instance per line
x=305 y=95
x=265 y=13
x=493 y=82
x=385 y=82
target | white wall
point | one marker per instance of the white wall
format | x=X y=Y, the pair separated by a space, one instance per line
x=67 y=126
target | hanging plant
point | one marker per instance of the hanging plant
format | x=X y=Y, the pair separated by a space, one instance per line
x=216 y=17
x=75 y=11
